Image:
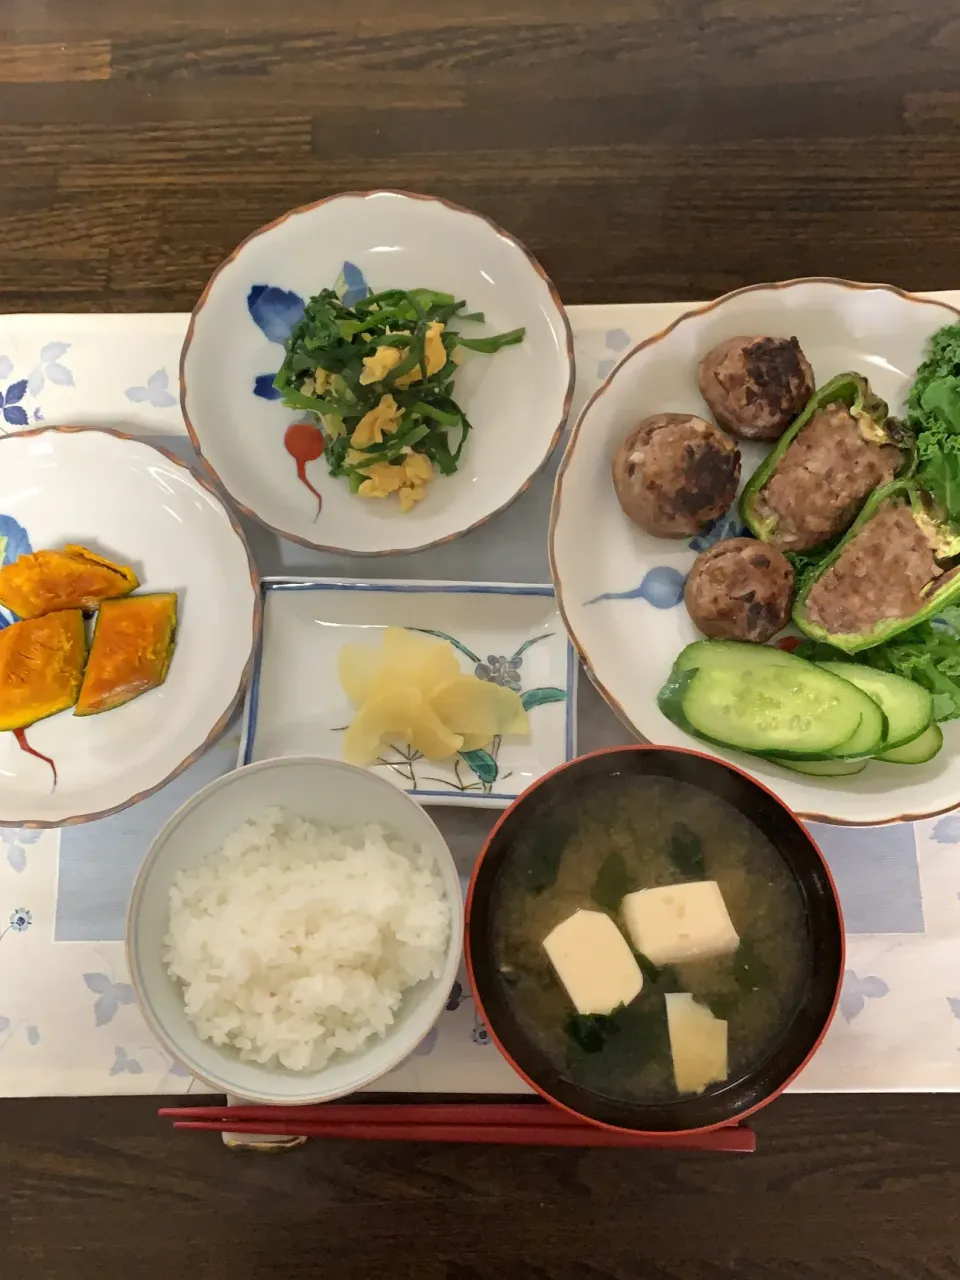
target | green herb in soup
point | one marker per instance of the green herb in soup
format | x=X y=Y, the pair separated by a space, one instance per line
x=707 y=909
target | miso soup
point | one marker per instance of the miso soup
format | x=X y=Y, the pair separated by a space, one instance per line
x=608 y=837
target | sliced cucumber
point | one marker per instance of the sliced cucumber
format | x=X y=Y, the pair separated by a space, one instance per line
x=923 y=748
x=825 y=768
x=791 y=708
x=908 y=707
x=733 y=654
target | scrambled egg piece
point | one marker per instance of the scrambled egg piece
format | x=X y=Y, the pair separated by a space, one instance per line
x=316 y=385
x=377 y=366
x=407 y=479
x=384 y=416
x=435 y=352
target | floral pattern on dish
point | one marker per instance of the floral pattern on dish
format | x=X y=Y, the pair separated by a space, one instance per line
x=14 y=543
x=473 y=771
x=275 y=311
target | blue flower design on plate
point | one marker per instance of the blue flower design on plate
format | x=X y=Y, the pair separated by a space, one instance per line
x=727 y=526
x=15 y=841
x=661 y=586
x=110 y=996
x=123 y=1064
x=856 y=991
x=155 y=392
x=14 y=542
x=351 y=285
x=275 y=311
x=954 y=1003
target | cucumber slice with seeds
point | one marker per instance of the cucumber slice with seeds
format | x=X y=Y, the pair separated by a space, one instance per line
x=907 y=706
x=779 y=708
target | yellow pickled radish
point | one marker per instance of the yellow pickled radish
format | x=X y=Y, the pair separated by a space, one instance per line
x=357 y=666
x=468 y=706
x=512 y=718
x=399 y=716
x=412 y=690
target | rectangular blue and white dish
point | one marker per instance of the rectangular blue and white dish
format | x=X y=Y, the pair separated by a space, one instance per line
x=509 y=633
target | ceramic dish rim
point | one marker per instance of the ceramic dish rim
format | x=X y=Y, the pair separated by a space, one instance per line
x=35 y=824
x=366 y=195
x=789 y=813
x=694 y=313
x=417 y=586
x=452 y=957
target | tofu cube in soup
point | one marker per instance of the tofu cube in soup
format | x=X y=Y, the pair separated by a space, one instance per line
x=698 y=1043
x=680 y=922
x=593 y=961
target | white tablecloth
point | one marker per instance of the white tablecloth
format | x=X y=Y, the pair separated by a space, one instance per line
x=68 y=1020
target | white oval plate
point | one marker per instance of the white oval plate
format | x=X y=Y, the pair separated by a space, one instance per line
x=517 y=400
x=620 y=590
x=140 y=506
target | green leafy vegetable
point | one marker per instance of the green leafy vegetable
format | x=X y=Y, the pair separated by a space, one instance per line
x=324 y=372
x=626 y=1039
x=685 y=850
x=591 y=1031
x=612 y=883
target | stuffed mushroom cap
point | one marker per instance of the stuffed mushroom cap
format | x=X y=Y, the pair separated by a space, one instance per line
x=756 y=386
x=675 y=474
x=740 y=589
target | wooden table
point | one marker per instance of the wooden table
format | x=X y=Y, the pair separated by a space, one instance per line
x=644 y=150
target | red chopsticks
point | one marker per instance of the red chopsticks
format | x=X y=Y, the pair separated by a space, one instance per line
x=513 y=1124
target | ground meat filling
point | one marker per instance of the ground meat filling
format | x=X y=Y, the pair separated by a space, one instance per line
x=881 y=575
x=823 y=479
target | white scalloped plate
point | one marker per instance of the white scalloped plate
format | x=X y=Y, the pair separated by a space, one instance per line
x=139 y=505
x=620 y=590
x=516 y=400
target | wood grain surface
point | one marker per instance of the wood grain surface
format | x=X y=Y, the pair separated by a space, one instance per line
x=643 y=149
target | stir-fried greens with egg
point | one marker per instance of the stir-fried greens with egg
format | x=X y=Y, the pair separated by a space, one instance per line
x=379 y=376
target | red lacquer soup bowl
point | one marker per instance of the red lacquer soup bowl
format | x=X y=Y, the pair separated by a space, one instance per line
x=802 y=1030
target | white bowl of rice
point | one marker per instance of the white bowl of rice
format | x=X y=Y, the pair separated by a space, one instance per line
x=295 y=930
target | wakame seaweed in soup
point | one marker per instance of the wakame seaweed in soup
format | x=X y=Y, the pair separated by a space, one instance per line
x=617 y=835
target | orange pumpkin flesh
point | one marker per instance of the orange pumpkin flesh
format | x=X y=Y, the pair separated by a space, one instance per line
x=41 y=667
x=131 y=651
x=75 y=578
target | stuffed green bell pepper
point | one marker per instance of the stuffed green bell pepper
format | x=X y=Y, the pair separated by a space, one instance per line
x=898 y=565
x=812 y=485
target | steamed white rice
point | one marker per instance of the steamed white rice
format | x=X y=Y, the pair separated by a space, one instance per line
x=295 y=940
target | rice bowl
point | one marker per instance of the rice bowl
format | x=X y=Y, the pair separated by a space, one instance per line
x=234 y=871
x=294 y=941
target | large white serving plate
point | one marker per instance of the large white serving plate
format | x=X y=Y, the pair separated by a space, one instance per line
x=620 y=590
x=516 y=400
x=138 y=505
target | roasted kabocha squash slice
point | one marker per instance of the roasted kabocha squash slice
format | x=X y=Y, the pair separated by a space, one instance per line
x=132 y=646
x=41 y=667
x=74 y=578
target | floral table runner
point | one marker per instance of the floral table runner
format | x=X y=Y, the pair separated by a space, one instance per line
x=68 y=1019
